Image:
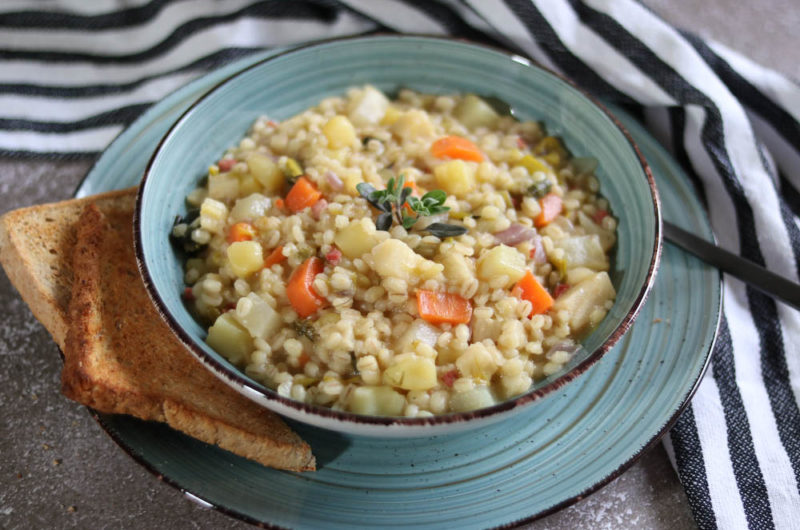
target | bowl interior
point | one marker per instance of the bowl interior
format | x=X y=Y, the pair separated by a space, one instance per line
x=290 y=83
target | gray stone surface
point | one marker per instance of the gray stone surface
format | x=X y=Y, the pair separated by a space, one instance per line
x=59 y=470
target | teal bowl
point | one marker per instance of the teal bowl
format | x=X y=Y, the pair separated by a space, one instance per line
x=288 y=83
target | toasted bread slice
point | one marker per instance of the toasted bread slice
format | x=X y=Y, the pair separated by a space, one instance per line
x=36 y=252
x=120 y=357
x=37 y=247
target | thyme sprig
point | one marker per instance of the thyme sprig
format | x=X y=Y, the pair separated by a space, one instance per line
x=396 y=200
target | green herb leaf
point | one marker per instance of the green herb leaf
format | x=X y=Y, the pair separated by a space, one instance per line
x=408 y=220
x=384 y=221
x=444 y=230
x=305 y=328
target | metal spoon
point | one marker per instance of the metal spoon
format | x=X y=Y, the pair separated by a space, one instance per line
x=768 y=282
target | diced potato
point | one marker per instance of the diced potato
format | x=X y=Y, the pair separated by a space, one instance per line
x=578 y=274
x=474 y=112
x=586 y=300
x=457 y=268
x=477 y=398
x=265 y=171
x=248 y=185
x=229 y=339
x=583 y=251
x=418 y=331
x=376 y=401
x=477 y=362
x=213 y=215
x=339 y=132
x=223 y=186
x=415 y=373
x=356 y=239
x=246 y=257
x=257 y=316
x=367 y=108
x=413 y=124
x=393 y=258
x=391 y=115
x=351 y=180
x=455 y=177
x=607 y=238
x=250 y=208
x=499 y=261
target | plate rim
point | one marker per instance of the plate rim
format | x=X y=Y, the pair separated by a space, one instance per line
x=196 y=86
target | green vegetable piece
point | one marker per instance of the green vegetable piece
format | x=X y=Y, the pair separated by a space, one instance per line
x=540 y=189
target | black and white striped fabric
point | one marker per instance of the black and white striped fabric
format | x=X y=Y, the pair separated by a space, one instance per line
x=74 y=74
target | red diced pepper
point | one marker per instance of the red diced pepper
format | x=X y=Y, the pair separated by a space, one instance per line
x=188 y=294
x=521 y=143
x=226 y=164
x=333 y=256
x=599 y=215
x=448 y=378
x=559 y=290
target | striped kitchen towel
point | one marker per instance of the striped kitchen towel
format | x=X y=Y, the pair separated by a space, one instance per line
x=74 y=74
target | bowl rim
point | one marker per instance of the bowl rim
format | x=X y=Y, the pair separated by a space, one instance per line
x=240 y=382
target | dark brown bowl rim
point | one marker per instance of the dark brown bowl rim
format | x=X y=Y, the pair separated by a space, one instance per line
x=238 y=380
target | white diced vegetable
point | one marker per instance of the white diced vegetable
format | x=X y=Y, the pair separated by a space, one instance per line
x=413 y=124
x=583 y=251
x=229 y=339
x=415 y=373
x=246 y=257
x=477 y=398
x=250 y=208
x=456 y=177
x=474 y=112
x=477 y=362
x=266 y=172
x=585 y=301
x=213 y=215
x=607 y=237
x=257 y=316
x=339 y=132
x=376 y=401
x=457 y=268
x=368 y=107
x=356 y=239
x=502 y=261
x=393 y=258
x=418 y=331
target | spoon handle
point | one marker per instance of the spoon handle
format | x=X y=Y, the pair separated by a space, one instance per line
x=770 y=283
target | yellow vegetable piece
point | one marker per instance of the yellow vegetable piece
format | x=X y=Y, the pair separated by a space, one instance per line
x=339 y=132
x=228 y=338
x=455 y=177
x=246 y=257
x=376 y=401
x=411 y=374
x=533 y=164
x=502 y=261
x=265 y=171
x=355 y=239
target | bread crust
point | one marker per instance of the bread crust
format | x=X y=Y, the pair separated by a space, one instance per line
x=119 y=355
